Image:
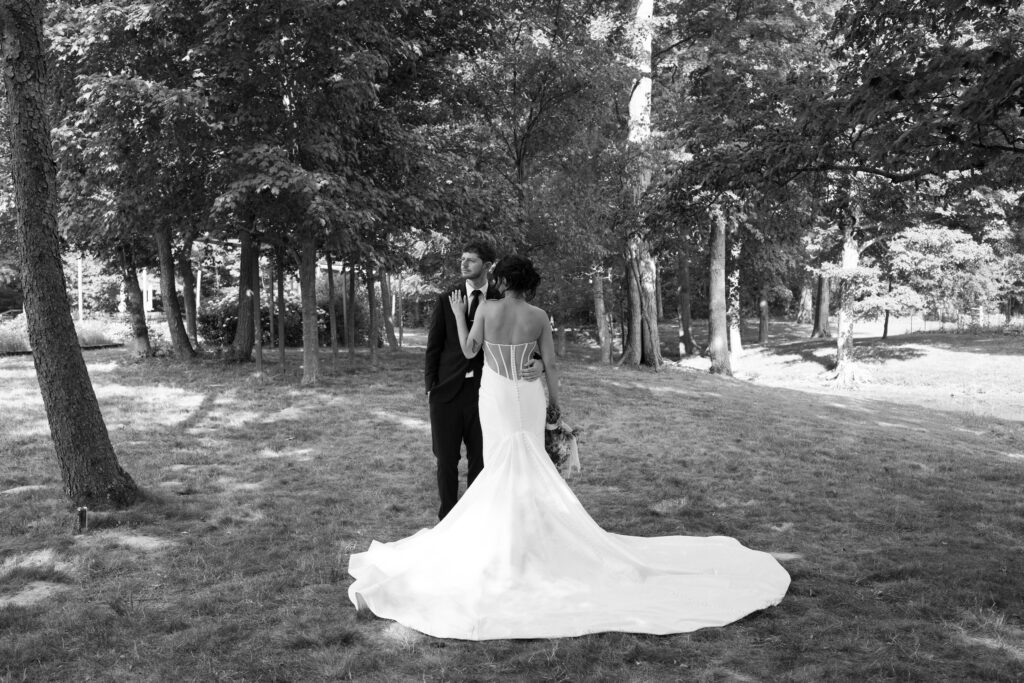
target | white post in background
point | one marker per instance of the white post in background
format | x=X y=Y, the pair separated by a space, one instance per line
x=81 y=296
x=147 y=295
x=199 y=286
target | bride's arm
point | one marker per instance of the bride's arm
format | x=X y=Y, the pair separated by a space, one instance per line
x=470 y=340
x=547 y=354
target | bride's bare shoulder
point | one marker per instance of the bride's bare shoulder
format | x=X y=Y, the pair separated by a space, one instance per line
x=539 y=313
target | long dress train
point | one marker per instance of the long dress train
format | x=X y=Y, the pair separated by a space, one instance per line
x=519 y=557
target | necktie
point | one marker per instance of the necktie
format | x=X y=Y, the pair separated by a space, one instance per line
x=475 y=296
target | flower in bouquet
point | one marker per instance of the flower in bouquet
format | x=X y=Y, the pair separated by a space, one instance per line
x=560 y=442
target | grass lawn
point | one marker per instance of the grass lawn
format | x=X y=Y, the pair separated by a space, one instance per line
x=896 y=508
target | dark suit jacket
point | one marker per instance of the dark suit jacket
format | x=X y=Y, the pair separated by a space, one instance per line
x=446 y=365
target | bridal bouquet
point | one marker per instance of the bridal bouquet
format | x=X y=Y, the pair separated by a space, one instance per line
x=560 y=442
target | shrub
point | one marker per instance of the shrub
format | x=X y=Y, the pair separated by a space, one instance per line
x=91 y=332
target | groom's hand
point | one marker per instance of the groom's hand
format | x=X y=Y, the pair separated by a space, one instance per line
x=533 y=370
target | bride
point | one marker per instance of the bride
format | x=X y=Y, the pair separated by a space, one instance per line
x=518 y=556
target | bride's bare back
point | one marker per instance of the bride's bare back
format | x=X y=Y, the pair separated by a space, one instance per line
x=511 y=321
x=512 y=326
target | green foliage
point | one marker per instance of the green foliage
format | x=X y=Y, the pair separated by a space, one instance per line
x=951 y=271
x=218 y=319
x=101 y=288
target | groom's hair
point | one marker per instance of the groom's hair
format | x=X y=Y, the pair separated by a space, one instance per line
x=481 y=248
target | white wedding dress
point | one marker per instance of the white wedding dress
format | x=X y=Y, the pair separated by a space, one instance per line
x=519 y=557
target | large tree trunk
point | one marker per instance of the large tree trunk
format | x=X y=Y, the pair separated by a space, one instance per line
x=633 y=319
x=821 y=310
x=188 y=286
x=844 y=337
x=169 y=293
x=643 y=344
x=134 y=304
x=332 y=314
x=389 y=318
x=604 y=337
x=372 y=334
x=307 y=286
x=683 y=303
x=241 y=345
x=805 y=304
x=718 y=339
x=89 y=469
x=735 y=314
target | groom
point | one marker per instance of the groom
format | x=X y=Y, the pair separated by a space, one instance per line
x=453 y=381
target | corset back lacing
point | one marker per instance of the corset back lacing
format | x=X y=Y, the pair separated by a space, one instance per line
x=510 y=366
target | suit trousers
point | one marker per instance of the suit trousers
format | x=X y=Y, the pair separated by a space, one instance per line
x=452 y=424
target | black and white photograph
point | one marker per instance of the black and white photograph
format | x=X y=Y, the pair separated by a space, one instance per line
x=500 y=340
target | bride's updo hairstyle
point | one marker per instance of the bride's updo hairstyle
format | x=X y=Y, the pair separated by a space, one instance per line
x=518 y=274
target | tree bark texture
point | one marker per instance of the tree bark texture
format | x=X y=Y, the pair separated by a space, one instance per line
x=604 y=337
x=805 y=304
x=89 y=469
x=257 y=316
x=400 y=301
x=134 y=306
x=844 y=336
x=389 y=318
x=310 y=331
x=169 y=293
x=188 y=286
x=683 y=305
x=642 y=346
x=332 y=314
x=734 y=292
x=271 y=281
x=242 y=344
x=718 y=329
x=821 y=310
x=658 y=298
x=372 y=334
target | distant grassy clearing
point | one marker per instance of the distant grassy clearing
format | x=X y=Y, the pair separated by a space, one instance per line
x=900 y=524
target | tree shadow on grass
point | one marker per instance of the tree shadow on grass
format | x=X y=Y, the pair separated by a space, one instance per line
x=808 y=351
x=868 y=350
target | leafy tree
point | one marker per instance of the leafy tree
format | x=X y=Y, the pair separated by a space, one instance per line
x=89 y=467
x=133 y=142
x=289 y=85
x=951 y=271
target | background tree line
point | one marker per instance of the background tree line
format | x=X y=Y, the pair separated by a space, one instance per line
x=657 y=158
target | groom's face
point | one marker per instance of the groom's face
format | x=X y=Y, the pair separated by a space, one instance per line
x=472 y=265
